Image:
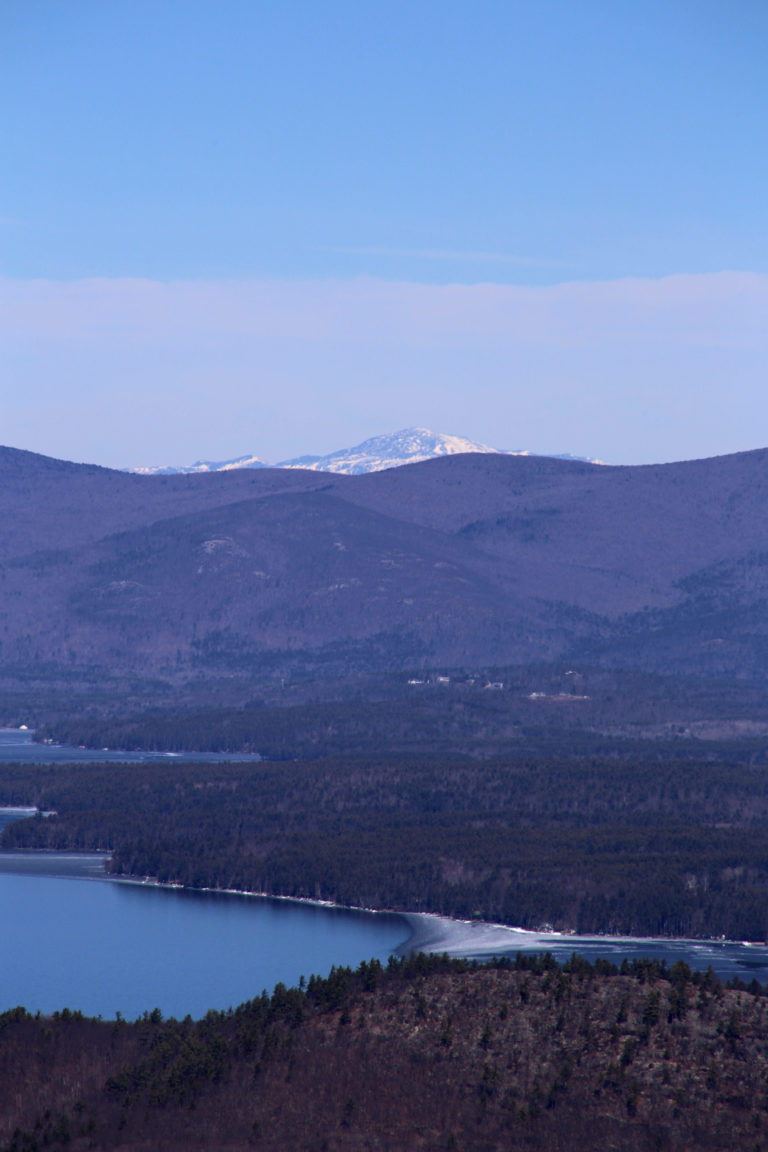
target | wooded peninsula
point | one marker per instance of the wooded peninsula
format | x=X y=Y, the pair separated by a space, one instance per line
x=587 y=845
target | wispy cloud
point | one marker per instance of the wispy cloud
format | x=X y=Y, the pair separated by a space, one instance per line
x=724 y=309
x=452 y=255
x=134 y=371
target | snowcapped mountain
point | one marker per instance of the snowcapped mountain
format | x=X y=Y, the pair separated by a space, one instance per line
x=379 y=452
x=202 y=466
x=405 y=447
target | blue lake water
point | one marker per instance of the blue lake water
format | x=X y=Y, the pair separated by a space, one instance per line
x=71 y=939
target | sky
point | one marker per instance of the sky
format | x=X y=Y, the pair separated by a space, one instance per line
x=236 y=227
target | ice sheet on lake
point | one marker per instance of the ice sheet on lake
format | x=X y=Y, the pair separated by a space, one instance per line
x=478 y=940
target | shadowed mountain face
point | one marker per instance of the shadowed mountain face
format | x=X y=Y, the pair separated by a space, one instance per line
x=466 y=560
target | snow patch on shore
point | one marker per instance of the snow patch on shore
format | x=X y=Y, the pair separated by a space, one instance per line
x=474 y=938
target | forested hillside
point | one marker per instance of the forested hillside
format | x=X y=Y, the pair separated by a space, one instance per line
x=549 y=711
x=426 y=1054
x=646 y=848
x=234 y=584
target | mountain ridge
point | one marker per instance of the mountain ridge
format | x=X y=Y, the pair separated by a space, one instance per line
x=469 y=560
x=408 y=446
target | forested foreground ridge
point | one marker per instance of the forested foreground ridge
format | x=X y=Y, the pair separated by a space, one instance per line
x=642 y=848
x=426 y=1054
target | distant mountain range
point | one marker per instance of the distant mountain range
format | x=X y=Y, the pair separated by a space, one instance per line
x=408 y=446
x=471 y=560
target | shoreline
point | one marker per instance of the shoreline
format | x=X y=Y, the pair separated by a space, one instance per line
x=313 y=902
x=429 y=932
x=19 y=746
x=475 y=939
x=435 y=933
x=102 y=857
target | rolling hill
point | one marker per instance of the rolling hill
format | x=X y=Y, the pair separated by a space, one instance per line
x=463 y=561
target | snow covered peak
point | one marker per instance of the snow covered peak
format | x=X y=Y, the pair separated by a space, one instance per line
x=405 y=447
x=202 y=466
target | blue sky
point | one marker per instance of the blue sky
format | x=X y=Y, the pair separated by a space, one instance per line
x=329 y=172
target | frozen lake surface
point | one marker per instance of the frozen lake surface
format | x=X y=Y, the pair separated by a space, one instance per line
x=17 y=746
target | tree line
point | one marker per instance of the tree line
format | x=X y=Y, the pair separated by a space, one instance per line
x=424 y=1052
x=586 y=845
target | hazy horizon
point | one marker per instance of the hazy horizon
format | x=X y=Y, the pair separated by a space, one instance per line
x=281 y=230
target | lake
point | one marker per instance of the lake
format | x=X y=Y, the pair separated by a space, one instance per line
x=74 y=937
x=17 y=746
x=476 y=940
x=71 y=938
